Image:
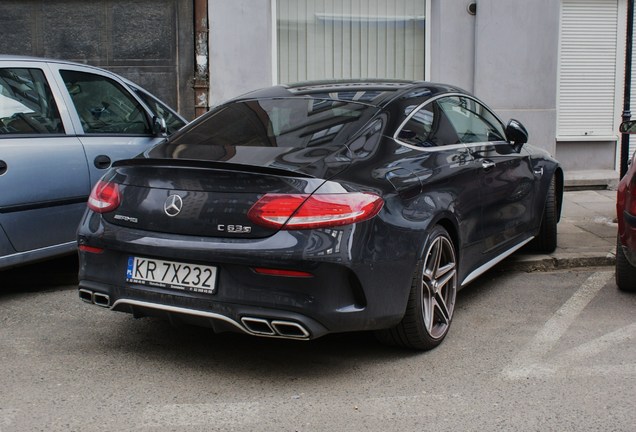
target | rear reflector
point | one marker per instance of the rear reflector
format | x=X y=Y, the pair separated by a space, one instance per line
x=303 y=211
x=282 y=272
x=104 y=197
x=90 y=249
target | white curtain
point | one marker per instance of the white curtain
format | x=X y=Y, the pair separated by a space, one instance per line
x=323 y=39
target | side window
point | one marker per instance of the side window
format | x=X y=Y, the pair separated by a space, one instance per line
x=26 y=103
x=471 y=120
x=428 y=127
x=104 y=106
x=173 y=122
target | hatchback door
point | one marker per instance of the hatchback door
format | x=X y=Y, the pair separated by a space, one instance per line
x=111 y=122
x=43 y=174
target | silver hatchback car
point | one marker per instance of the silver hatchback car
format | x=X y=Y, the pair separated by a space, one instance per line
x=61 y=126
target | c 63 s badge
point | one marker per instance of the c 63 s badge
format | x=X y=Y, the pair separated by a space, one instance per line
x=235 y=229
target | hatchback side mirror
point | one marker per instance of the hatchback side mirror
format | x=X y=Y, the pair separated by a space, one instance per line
x=628 y=127
x=159 y=127
x=516 y=134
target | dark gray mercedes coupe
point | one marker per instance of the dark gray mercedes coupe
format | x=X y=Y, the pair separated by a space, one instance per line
x=297 y=211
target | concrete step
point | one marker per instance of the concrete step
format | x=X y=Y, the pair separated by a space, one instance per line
x=591 y=179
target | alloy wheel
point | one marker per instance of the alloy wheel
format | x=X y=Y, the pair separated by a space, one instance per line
x=439 y=287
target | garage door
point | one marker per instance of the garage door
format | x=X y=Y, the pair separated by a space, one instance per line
x=148 y=41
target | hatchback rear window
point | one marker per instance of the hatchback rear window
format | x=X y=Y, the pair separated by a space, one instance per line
x=286 y=122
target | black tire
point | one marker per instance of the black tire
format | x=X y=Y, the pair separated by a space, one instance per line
x=625 y=272
x=431 y=302
x=546 y=239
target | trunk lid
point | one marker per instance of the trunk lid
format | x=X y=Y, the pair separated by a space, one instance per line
x=198 y=198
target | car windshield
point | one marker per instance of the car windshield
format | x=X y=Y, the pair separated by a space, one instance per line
x=281 y=122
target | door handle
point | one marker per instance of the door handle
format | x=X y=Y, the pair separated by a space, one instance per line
x=102 y=162
x=487 y=164
x=3 y=167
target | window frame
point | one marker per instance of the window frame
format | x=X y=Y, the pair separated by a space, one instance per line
x=274 y=41
x=58 y=96
x=121 y=89
x=472 y=116
x=446 y=147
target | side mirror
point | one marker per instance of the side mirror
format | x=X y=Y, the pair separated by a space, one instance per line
x=159 y=127
x=516 y=134
x=628 y=127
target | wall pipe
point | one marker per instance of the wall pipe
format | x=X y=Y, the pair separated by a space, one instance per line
x=628 y=86
x=202 y=62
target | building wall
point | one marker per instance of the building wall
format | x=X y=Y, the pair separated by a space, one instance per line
x=147 y=41
x=452 y=43
x=507 y=55
x=240 y=47
x=516 y=63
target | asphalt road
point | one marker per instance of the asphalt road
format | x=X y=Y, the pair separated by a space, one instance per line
x=526 y=352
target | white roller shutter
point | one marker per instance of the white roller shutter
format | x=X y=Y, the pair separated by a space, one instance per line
x=587 y=93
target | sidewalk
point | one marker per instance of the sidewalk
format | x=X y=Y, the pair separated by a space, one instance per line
x=586 y=234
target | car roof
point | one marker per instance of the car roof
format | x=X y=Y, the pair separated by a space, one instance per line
x=19 y=58
x=374 y=92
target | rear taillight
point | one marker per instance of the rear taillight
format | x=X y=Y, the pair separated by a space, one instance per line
x=303 y=211
x=104 y=197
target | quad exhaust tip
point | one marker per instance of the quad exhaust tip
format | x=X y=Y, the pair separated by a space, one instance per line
x=95 y=298
x=275 y=328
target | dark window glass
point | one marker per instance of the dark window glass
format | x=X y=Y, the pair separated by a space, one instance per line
x=471 y=120
x=104 y=106
x=173 y=122
x=428 y=127
x=26 y=103
x=294 y=122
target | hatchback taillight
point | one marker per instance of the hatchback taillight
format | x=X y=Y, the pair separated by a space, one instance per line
x=303 y=211
x=104 y=197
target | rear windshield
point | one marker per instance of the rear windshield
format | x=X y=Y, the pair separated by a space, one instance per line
x=281 y=122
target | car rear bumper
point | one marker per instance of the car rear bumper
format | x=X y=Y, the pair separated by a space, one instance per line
x=343 y=293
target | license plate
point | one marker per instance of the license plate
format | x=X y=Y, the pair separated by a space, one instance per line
x=171 y=274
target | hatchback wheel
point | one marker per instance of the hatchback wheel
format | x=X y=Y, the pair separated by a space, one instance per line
x=431 y=302
x=625 y=272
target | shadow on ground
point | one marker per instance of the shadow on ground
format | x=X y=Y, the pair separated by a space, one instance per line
x=43 y=275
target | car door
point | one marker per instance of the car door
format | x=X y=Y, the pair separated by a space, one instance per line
x=505 y=176
x=447 y=174
x=112 y=122
x=44 y=179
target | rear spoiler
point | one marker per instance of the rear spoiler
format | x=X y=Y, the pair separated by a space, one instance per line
x=205 y=164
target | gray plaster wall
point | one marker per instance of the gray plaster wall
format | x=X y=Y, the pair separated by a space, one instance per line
x=240 y=47
x=452 y=43
x=516 y=63
x=507 y=55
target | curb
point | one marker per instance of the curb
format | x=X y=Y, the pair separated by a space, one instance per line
x=533 y=263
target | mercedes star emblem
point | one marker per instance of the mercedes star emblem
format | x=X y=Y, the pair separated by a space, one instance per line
x=173 y=205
